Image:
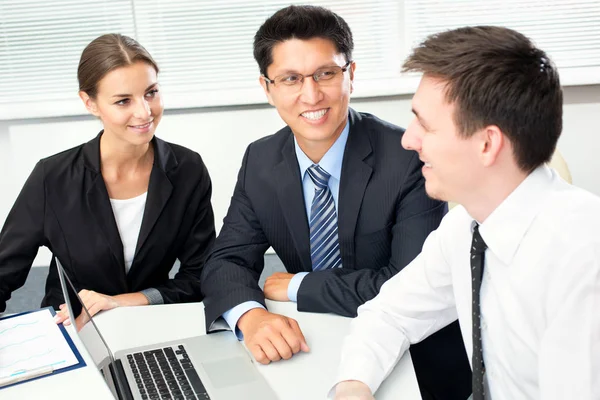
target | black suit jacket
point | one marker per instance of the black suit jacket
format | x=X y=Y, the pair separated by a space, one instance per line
x=384 y=216
x=64 y=205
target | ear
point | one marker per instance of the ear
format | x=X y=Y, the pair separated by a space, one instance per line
x=352 y=69
x=492 y=142
x=265 y=85
x=89 y=103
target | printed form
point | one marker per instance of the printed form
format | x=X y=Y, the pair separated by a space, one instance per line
x=32 y=341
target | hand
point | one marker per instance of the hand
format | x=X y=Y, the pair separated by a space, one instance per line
x=271 y=337
x=93 y=301
x=276 y=286
x=353 y=390
x=62 y=316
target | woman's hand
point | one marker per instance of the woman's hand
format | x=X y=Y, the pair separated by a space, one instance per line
x=93 y=301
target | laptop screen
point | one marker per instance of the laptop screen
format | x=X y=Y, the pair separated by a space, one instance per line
x=89 y=334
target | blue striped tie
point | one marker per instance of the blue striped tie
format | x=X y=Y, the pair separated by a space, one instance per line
x=324 y=244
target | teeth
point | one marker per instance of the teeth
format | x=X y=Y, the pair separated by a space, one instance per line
x=314 y=115
x=428 y=165
x=141 y=126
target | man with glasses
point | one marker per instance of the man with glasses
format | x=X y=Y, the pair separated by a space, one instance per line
x=334 y=194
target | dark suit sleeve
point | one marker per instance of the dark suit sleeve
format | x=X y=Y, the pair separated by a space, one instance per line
x=342 y=291
x=231 y=274
x=185 y=286
x=22 y=235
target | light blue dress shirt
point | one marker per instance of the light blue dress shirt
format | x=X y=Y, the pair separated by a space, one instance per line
x=332 y=163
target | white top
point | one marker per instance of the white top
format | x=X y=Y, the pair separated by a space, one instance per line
x=128 y=214
x=540 y=296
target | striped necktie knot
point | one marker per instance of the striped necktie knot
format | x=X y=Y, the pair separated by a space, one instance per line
x=319 y=176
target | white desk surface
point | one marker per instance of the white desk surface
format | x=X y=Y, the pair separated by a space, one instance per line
x=305 y=376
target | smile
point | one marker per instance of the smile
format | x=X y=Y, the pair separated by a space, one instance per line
x=315 y=115
x=144 y=126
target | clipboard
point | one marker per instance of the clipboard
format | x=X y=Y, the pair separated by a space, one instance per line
x=72 y=361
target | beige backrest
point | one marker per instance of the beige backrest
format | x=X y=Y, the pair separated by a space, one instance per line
x=557 y=162
x=560 y=165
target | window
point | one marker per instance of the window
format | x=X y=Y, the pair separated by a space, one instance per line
x=569 y=31
x=204 y=47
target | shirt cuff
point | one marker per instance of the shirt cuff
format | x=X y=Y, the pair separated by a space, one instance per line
x=294 y=286
x=232 y=316
x=153 y=296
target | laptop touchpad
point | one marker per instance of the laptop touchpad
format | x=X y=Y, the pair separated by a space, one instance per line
x=230 y=372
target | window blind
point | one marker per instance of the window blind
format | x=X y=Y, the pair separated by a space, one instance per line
x=204 y=47
x=569 y=31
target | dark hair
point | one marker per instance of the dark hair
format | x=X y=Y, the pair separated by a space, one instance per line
x=304 y=23
x=496 y=76
x=105 y=54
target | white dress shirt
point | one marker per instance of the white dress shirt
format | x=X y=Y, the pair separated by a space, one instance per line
x=540 y=296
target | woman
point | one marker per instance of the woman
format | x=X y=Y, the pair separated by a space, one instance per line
x=118 y=210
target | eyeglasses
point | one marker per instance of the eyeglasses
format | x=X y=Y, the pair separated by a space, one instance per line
x=321 y=76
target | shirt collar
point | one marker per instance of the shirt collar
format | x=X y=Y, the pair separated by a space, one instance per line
x=506 y=226
x=331 y=161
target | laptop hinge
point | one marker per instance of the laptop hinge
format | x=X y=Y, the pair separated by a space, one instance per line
x=120 y=380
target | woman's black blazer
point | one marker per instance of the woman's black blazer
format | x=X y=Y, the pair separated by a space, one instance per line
x=64 y=205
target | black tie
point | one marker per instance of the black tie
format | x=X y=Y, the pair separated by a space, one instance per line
x=478 y=247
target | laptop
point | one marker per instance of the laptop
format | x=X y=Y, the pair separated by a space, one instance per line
x=214 y=366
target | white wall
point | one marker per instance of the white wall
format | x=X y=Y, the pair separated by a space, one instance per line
x=221 y=136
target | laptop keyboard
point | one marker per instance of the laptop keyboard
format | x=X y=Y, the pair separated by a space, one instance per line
x=166 y=373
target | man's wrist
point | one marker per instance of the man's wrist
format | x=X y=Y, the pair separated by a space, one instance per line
x=353 y=388
x=294 y=286
x=248 y=316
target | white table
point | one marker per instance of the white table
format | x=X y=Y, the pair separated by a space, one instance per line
x=305 y=376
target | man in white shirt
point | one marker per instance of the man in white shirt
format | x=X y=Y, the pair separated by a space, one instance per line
x=518 y=262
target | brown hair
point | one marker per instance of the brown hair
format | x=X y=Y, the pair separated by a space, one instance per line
x=106 y=53
x=496 y=76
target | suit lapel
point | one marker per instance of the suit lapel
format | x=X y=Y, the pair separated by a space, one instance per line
x=291 y=197
x=99 y=204
x=159 y=192
x=353 y=183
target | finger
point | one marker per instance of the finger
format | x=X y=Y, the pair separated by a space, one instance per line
x=269 y=349
x=81 y=321
x=268 y=295
x=63 y=311
x=296 y=328
x=281 y=346
x=268 y=290
x=86 y=295
x=96 y=307
x=292 y=339
x=259 y=354
x=273 y=277
x=60 y=317
x=67 y=322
